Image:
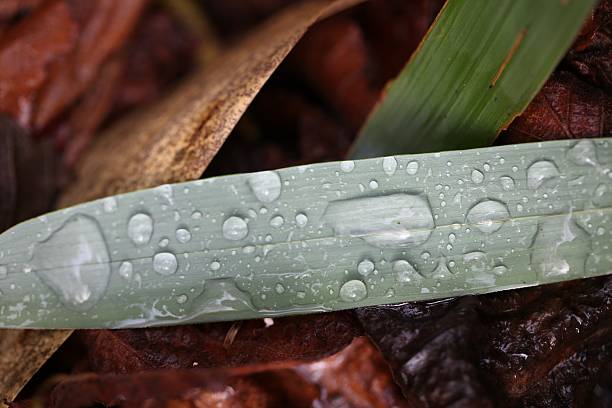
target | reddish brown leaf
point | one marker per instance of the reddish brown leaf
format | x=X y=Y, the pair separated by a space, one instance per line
x=591 y=54
x=292 y=338
x=566 y=107
x=105 y=26
x=27 y=50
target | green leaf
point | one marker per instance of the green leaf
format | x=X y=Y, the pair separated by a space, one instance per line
x=478 y=67
x=314 y=238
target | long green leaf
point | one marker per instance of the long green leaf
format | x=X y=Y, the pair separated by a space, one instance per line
x=478 y=67
x=314 y=238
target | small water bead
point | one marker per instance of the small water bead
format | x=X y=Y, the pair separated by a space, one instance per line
x=165 y=192
x=404 y=271
x=165 y=263
x=539 y=172
x=486 y=167
x=3 y=272
x=180 y=299
x=412 y=168
x=477 y=176
x=347 y=166
x=583 y=153
x=163 y=242
x=452 y=237
x=266 y=185
x=196 y=215
x=183 y=235
x=365 y=267
x=425 y=255
x=125 y=270
x=500 y=270
x=277 y=221
x=389 y=165
x=235 y=228
x=109 y=204
x=215 y=265
x=519 y=207
x=140 y=228
x=248 y=249
x=488 y=216
x=507 y=183
x=279 y=288
x=353 y=291
x=373 y=184
x=600 y=231
x=301 y=219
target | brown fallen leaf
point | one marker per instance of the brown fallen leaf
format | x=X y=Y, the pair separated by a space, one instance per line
x=307 y=337
x=177 y=138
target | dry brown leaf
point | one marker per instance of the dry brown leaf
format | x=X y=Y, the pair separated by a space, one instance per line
x=175 y=139
x=171 y=141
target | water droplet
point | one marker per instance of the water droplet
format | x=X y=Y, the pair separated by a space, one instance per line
x=347 y=166
x=165 y=263
x=373 y=184
x=539 y=172
x=235 y=228
x=425 y=255
x=389 y=165
x=488 y=216
x=600 y=231
x=353 y=291
x=301 y=219
x=277 y=221
x=519 y=207
x=215 y=265
x=500 y=270
x=477 y=176
x=486 y=167
x=3 y=272
x=163 y=242
x=74 y=263
x=180 y=299
x=279 y=288
x=365 y=267
x=583 y=153
x=452 y=237
x=140 y=228
x=396 y=220
x=109 y=204
x=183 y=235
x=125 y=270
x=404 y=271
x=507 y=183
x=248 y=249
x=196 y=215
x=266 y=185
x=412 y=168
x=165 y=192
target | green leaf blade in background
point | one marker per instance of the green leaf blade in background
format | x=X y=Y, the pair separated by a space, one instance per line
x=473 y=73
x=321 y=237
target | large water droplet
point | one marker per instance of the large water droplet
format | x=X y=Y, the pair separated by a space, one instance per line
x=477 y=176
x=365 y=267
x=389 y=165
x=74 y=263
x=560 y=247
x=125 y=270
x=396 y=220
x=353 y=291
x=266 y=185
x=165 y=263
x=583 y=153
x=404 y=272
x=539 y=172
x=235 y=228
x=507 y=183
x=140 y=228
x=412 y=168
x=347 y=166
x=488 y=216
x=277 y=221
x=183 y=235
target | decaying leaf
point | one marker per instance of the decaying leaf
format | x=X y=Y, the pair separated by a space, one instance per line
x=176 y=139
x=294 y=338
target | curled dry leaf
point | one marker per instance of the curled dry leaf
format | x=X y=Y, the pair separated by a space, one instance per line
x=293 y=338
x=177 y=138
